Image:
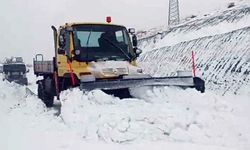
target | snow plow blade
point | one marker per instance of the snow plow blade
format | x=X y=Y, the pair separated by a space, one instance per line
x=183 y=82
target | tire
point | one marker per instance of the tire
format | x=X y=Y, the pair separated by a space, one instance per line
x=47 y=98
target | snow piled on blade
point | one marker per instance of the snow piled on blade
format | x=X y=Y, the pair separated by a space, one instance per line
x=167 y=114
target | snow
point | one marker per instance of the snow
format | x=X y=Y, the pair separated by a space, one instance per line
x=202 y=26
x=94 y=120
x=222 y=28
x=158 y=118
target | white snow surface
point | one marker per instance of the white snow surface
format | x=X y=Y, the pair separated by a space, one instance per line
x=223 y=27
x=160 y=118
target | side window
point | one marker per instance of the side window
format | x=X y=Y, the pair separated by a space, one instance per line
x=119 y=36
x=62 y=39
x=64 y=42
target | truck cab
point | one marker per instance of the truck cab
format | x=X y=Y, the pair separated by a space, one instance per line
x=102 y=51
x=86 y=52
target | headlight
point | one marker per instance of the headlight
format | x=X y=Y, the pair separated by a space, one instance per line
x=77 y=52
x=87 y=78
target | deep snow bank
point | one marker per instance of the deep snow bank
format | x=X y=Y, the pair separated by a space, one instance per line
x=25 y=122
x=165 y=114
x=95 y=120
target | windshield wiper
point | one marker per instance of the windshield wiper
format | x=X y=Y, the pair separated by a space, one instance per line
x=116 y=46
x=87 y=54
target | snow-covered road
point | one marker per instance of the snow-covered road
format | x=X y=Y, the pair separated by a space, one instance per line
x=161 y=118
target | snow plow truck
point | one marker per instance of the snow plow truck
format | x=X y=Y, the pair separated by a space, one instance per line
x=98 y=56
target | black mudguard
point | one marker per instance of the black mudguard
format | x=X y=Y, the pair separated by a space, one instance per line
x=199 y=84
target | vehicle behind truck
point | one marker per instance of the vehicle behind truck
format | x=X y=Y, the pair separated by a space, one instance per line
x=14 y=70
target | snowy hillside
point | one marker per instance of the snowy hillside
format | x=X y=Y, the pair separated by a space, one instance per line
x=220 y=41
x=198 y=21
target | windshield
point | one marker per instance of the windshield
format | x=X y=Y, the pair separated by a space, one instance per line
x=14 y=68
x=102 y=42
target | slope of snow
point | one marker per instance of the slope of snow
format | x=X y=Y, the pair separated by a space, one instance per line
x=222 y=60
x=222 y=55
x=210 y=25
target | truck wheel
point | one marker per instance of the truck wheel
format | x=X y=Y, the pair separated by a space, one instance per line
x=47 y=98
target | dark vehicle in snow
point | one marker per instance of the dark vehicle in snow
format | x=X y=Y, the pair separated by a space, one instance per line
x=14 y=70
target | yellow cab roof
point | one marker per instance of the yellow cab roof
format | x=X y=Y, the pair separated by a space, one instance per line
x=88 y=23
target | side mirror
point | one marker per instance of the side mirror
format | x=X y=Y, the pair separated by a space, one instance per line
x=134 y=41
x=131 y=30
x=27 y=71
x=61 y=41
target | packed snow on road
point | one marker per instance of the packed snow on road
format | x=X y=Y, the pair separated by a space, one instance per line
x=161 y=118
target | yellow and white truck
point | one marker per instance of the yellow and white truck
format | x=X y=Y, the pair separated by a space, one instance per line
x=98 y=56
